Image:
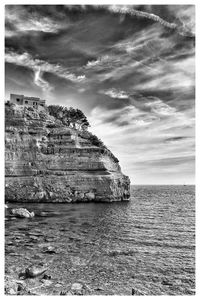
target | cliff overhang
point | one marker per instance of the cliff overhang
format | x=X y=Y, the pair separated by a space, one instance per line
x=47 y=161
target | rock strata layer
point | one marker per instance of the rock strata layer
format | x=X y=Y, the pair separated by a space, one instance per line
x=49 y=162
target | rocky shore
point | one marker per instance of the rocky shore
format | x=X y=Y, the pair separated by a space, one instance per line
x=36 y=275
x=104 y=248
x=47 y=161
x=43 y=284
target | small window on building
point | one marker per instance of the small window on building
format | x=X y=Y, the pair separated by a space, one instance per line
x=18 y=99
x=26 y=102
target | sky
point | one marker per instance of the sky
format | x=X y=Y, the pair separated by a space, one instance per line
x=129 y=68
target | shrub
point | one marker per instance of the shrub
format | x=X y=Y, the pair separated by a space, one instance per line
x=29 y=108
x=69 y=117
x=96 y=141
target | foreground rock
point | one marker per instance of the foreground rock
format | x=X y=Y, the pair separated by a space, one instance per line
x=42 y=285
x=77 y=289
x=22 y=213
x=33 y=271
x=13 y=286
x=47 y=161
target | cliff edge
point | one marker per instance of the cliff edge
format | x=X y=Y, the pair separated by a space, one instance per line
x=47 y=161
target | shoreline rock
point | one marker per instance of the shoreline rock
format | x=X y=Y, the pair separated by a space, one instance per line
x=22 y=213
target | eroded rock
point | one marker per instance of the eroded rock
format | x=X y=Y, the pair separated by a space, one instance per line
x=14 y=286
x=90 y=196
x=11 y=287
x=22 y=213
x=46 y=161
x=34 y=271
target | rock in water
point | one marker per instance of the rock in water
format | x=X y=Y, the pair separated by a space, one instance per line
x=22 y=213
x=49 y=249
x=47 y=161
x=77 y=289
x=34 y=271
x=11 y=287
x=76 y=286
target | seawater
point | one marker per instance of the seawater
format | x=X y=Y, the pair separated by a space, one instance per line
x=146 y=244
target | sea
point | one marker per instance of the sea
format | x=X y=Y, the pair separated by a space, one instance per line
x=145 y=246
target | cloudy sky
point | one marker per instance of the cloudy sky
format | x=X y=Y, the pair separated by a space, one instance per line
x=129 y=68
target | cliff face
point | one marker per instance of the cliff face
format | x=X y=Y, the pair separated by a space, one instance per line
x=46 y=161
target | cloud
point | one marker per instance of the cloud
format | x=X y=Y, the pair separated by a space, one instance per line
x=114 y=93
x=147 y=61
x=184 y=27
x=160 y=108
x=24 y=21
x=176 y=139
x=185 y=15
x=158 y=141
x=126 y=9
x=100 y=61
x=28 y=61
x=177 y=75
x=103 y=64
x=155 y=64
x=171 y=161
x=39 y=81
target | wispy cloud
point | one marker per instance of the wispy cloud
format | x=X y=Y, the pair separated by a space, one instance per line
x=39 y=81
x=177 y=75
x=126 y=9
x=115 y=93
x=143 y=138
x=39 y=66
x=24 y=21
x=160 y=108
x=185 y=27
x=100 y=61
x=185 y=16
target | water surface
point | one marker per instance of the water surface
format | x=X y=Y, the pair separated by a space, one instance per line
x=147 y=244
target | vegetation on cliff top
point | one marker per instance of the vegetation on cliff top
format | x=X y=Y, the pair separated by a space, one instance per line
x=69 y=117
x=76 y=119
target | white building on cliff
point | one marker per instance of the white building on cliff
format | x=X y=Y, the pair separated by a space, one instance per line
x=35 y=102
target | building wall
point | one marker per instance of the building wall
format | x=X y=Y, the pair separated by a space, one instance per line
x=17 y=99
x=27 y=101
x=30 y=101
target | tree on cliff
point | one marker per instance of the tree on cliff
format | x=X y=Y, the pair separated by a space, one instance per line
x=70 y=117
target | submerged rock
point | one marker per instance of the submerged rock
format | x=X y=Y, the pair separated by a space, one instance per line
x=34 y=271
x=46 y=277
x=13 y=286
x=76 y=286
x=22 y=213
x=77 y=289
x=49 y=250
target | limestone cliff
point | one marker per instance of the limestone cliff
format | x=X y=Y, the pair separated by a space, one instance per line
x=46 y=161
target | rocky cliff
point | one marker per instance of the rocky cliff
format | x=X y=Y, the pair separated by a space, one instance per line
x=46 y=161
